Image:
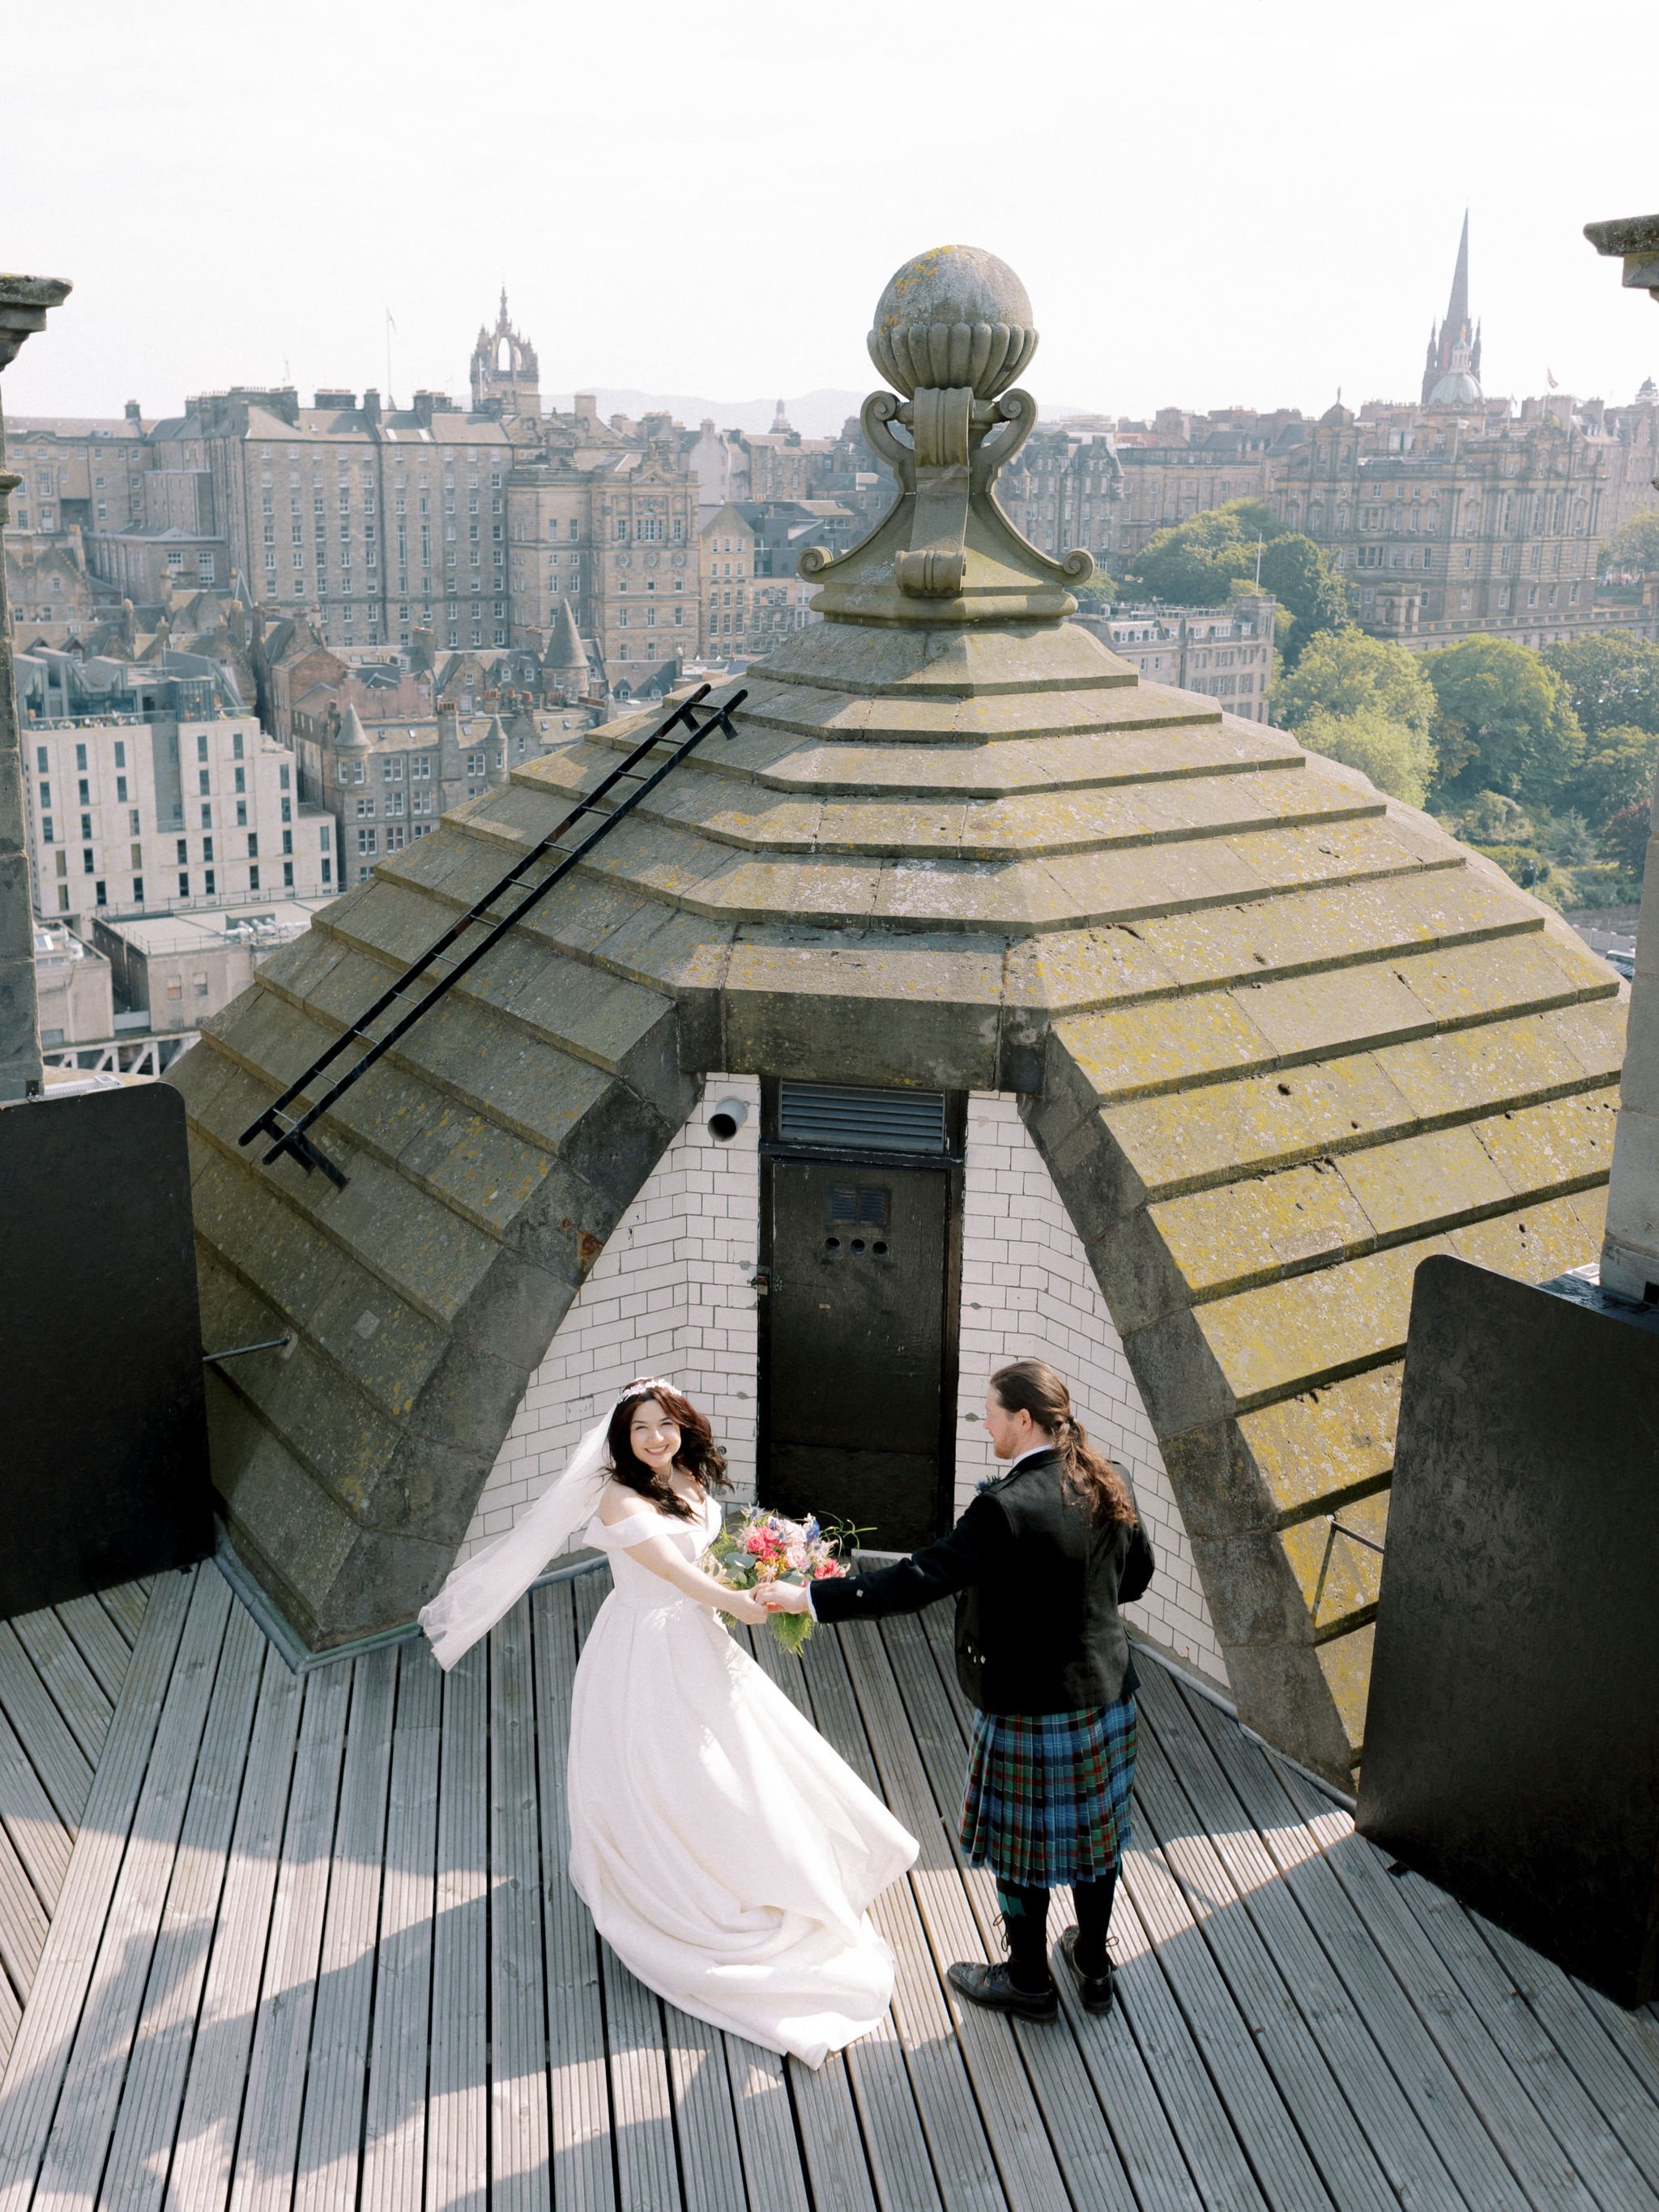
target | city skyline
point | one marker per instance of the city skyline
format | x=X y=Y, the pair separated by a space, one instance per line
x=1227 y=249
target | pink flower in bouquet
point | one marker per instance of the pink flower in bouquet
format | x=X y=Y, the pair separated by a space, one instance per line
x=796 y=1557
x=758 y=1542
x=827 y=1569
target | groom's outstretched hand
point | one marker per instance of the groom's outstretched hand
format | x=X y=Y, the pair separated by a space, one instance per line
x=784 y=1597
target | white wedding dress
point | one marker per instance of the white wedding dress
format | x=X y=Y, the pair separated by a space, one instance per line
x=727 y=1855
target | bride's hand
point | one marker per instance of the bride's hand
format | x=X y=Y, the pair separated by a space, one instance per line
x=742 y=1606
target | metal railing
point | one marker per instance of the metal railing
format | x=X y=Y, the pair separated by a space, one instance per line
x=409 y=999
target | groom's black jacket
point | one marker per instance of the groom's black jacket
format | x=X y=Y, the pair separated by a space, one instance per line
x=1038 y=1582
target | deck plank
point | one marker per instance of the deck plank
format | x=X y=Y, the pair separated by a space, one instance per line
x=458 y=2094
x=99 y=1643
x=922 y=2129
x=1551 y=2089
x=124 y=1602
x=711 y=2158
x=1085 y=2149
x=41 y=2050
x=206 y=2139
x=74 y=2151
x=36 y=1829
x=583 y=2174
x=136 y=2176
x=1467 y=2097
x=519 y=2134
x=1386 y=2110
x=48 y=1741
x=394 y=2134
x=70 y=1683
x=23 y=1926
x=330 y=2141
x=1165 y=2119
x=1024 y=2156
x=766 y=2128
x=274 y=2102
x=1624 y=2099
x=1309 y=2087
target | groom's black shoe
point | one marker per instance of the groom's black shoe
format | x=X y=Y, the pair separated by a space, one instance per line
x=1096 y=1991
x=996 y=1988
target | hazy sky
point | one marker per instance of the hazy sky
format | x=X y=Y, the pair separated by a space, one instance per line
x=1254 y=202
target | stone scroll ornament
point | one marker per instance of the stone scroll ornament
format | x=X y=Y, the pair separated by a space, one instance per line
x=952 y=331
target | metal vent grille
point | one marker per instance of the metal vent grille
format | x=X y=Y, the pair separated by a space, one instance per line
x=864 y=1120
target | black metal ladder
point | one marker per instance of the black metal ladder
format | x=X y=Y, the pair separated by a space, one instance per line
x=290 y=1130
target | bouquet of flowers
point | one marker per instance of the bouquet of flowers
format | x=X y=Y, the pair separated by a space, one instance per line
x=757 y=1548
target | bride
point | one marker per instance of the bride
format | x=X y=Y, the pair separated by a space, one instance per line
x=726 y=1854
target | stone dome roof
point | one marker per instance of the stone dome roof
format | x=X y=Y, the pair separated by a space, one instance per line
x=1277 y=1036
x=1457 y=388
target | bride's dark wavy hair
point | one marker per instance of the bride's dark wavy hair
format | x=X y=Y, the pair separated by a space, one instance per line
x=1086 y=1475
x=699 y=1455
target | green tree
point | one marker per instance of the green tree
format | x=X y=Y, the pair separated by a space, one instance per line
x=1343 y=672
x=1635 y=546
x=1626 y=838
x=1505 y=721
x=1614 y=682
x=1398 y=758
x=1618 y=771
x=1302 y=577
x=1206 y=559
x=1098 y=593
x=1193 y=563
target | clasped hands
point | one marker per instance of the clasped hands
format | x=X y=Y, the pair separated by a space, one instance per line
x=784 y=1597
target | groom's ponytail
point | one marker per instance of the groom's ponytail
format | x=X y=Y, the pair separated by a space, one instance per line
x=1033 y=1387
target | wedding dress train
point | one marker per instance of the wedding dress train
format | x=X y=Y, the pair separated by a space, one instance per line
x=727 y=1855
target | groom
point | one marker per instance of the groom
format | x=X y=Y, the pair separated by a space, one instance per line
x=1039 y=1563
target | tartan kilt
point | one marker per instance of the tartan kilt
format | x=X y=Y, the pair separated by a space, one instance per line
x=1048 y=1798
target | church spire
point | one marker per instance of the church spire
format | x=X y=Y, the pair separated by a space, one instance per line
x=1452 y=372
x=1458 y=308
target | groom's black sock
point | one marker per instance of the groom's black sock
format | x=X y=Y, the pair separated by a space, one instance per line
x=1026 y=1917
x=1093 y=1901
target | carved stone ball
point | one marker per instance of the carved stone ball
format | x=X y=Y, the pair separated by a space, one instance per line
x=954 y=316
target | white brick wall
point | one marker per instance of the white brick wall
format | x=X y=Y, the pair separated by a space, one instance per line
x=669 y=1295
x=666 y=1296
x=1028 y=1292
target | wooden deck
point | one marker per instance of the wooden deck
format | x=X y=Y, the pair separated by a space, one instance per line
x=61 y=1672
x=314 y=1947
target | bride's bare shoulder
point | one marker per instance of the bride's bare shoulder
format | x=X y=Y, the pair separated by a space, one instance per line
x=618 y=1503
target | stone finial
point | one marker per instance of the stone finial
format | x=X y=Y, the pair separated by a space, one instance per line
x=954 y=316
x=23 y=304
x=1635 y=240
x=952 y=330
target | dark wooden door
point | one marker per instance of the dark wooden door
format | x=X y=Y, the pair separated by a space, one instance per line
x=855 y=1346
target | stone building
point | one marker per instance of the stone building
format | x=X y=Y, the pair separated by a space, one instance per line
x=79 y=472
x=142 y=793
x=179 y=969
x=73 y=988
x=1062 y=490
x=727 y=544
x=51 y=597
x=1458 y=515
x=387 y=782
x=1223 y=652
x=1053 y=1010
